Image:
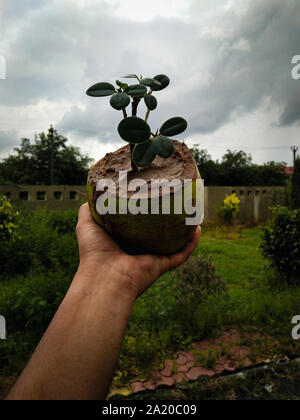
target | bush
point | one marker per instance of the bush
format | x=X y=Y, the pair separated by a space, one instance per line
x=197 y=280
x=8 y=216
x=281 y=242
x=228 y=212
x=295 y=190
x=47 y=244
x=28 y=305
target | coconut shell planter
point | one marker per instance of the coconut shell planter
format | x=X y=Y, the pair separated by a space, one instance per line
x=144 y=193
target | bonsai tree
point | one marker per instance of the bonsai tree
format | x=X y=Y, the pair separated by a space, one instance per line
x=148 y=155
x=144 y=144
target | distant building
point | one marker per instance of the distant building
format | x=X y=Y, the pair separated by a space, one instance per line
x=288 y=172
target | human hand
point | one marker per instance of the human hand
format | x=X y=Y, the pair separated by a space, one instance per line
x=135 y=273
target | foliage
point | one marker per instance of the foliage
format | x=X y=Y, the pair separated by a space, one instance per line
x=295 y=189
x=237 y=169
x=32 y=162
x=281 y=242
x=46 y=244
x=229 y=210
x=165 y=319
x=144 y=144
x=8 y=218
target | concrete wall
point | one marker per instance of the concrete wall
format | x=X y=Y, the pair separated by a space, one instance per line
x=254 y=200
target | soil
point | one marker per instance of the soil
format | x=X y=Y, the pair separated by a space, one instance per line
x=179 y=166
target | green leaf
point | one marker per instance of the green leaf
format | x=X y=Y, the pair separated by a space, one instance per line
x=121 y=84
x=163 y=80
x=131 y=76
x=120 y=100
x=142 y=154
x=173 y=126
x=163 y=146
x=101 y=89
x=136 y=90
x=150 y=101
x=134 y=130
x=150 y=82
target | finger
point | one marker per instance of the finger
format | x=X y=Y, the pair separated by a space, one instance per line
x=84 y=214
x=175 y=260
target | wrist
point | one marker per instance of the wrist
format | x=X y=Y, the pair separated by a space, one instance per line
x=102 y=278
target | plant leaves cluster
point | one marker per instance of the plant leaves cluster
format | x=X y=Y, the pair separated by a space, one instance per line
x=135 y=130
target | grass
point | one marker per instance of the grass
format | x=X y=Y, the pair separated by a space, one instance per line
x=255 y=302
x=42 y=263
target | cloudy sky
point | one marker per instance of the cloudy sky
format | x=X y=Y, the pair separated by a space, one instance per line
x=229 y=62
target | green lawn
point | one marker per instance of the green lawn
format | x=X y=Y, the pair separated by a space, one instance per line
x=255 y=301
x=36 y=271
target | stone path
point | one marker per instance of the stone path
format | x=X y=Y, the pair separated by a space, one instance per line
x=209 y=358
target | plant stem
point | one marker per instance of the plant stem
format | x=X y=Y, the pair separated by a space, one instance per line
x=135 y=102
x=124 y=113
x=148 y=110
x=133 y=165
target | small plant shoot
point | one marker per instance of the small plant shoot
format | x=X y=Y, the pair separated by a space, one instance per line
x=144 y=145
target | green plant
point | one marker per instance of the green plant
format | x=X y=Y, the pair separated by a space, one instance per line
x=295 y=188
x=229 y=210
x=208 y=358
x=280 y=242
x=144 y=144
x=196 y=281
x=8 y=217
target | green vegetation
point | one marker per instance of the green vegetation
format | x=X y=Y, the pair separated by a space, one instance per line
x=47 y=160
x=226 y=283
x=295 y=186
x=8 y=216
x=229 y=210
x=237 y=169
x=281 y=243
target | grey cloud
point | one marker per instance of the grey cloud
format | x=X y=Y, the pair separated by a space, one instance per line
x=8 y=139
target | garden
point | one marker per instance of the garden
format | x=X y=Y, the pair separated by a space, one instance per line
x=241 y=280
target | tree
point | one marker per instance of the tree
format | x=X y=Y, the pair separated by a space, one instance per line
x=31 y=164
x=237 y=169
x=207 y=167
x=295 y=192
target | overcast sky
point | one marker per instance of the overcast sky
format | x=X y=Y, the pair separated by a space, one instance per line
x=229 y=62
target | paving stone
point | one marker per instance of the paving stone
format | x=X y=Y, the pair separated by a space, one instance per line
x=197 y=371
x=181 y=360
x=183 y=368
x=150 y=384
x=167 y=381
x=190 y=364
x=167 y=370
x=185 y=357
x=179 y=377
x=137 y=387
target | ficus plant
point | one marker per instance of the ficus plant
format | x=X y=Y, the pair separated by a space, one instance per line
x=144 y=144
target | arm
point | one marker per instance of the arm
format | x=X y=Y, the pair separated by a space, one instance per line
x=77 y=356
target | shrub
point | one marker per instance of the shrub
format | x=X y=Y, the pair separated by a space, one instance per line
x=228 y=212
x=8 y=216
x=295 y=189
x=197 y=280
x=281 y=242
x=47 y=243
x=28 y=305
